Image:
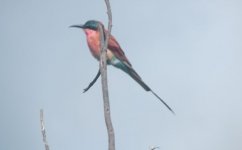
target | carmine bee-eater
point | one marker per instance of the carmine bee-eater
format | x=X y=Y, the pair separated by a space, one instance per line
x=115 y=54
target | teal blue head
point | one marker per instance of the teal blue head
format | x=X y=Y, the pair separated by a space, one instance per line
x=91 y=24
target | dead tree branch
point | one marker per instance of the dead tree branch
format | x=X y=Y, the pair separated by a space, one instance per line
x=43 y=129
x=104 y=37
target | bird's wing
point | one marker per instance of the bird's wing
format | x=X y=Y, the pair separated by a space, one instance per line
x=115 y=48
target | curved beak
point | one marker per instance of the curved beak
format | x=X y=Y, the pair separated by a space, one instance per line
x=77 y=26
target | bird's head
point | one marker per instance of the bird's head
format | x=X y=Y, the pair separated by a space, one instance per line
x=91 y=24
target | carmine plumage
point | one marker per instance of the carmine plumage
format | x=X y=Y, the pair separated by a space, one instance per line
x=115 y=55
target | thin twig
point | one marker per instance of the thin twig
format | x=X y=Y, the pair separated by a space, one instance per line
x=154 y=147
x=43 y=129
x=104 y=37
x=109 y=19
x=103 y=70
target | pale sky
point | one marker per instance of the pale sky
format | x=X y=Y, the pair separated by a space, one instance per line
x=188 y=52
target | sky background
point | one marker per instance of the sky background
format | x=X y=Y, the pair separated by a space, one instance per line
x=189 y=52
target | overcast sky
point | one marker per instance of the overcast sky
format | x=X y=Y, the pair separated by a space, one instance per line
x=189 y=52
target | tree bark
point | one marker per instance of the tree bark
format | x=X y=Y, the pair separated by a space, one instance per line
x=103 y=69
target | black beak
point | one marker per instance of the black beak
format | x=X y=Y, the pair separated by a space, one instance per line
x=78 y=26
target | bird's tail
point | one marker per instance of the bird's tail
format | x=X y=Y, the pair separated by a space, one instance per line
x=129 y=70
x=138 y=79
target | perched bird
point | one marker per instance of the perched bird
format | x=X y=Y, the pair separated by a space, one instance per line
x=115 y=55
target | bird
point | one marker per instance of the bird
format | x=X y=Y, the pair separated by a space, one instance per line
x=115 y=55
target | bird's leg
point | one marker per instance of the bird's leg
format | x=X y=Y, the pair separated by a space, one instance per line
x=93 y=81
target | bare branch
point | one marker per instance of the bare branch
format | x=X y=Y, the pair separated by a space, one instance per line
x=43 y=129
x=103 y=70
x=109 y=19
x=154 y=147
x=104 y=37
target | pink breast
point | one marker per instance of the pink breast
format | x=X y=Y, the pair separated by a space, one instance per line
x=93 y=42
